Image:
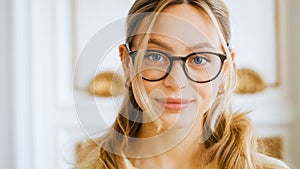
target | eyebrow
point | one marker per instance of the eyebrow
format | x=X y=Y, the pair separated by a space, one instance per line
x=159 y=43
x=162 y=44
x=202 y=45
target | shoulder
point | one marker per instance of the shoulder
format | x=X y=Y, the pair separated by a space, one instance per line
x=262 y=160
x=87 y=155
x=271 y=163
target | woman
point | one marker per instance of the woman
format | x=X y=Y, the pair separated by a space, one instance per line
x=180 y=75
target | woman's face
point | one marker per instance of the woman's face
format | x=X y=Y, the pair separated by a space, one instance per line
x=179 y=101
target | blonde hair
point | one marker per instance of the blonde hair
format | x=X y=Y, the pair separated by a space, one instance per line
x=228 y=137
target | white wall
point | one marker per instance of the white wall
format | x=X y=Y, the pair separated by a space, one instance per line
x=294 y=54
x=294 y=46
x=6 y=145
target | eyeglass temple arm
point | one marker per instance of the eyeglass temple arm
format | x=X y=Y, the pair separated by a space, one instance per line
x=128 y=47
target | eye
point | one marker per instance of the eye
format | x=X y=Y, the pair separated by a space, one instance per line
x=154 y=56
x=199 y=60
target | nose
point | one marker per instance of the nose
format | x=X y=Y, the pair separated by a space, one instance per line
x=176 y=78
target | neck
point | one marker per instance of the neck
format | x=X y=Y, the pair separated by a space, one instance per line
x=174 y=148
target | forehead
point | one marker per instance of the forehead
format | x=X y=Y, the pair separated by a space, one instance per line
x=184 y=23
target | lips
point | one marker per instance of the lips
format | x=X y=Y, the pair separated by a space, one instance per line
x=174 y=103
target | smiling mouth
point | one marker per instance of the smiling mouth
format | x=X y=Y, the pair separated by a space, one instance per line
x=174 y=103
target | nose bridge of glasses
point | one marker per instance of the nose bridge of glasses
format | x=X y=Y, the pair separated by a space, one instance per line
x=177 y=60
x=177 y=68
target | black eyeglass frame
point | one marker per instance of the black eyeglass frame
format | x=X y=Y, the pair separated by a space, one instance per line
x=171 y=58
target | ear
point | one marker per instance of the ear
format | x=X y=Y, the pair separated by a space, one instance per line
x=232 y=54
x=125 y=59
x=226 y=64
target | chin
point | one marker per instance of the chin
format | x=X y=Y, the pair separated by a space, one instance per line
x=178 y=120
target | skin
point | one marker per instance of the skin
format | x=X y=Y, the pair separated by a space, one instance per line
x=200 y=96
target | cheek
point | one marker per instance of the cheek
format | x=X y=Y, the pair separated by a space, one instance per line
x=151 y=88
x=206 y=95
x=137 y=96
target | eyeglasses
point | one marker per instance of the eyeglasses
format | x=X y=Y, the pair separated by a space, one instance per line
x=200 y=67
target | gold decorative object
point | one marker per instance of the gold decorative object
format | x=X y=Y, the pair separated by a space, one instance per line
x=272 y=146
x=249 y=82
x=107 y=84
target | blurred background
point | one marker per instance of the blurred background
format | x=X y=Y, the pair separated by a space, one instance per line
x=40 y=45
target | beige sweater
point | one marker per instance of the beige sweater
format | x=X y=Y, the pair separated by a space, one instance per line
x=268 y=163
